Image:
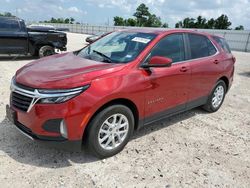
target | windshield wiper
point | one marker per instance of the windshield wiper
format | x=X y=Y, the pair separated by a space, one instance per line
x=108 y=59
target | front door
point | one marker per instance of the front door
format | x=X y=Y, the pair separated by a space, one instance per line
x=167 y=88
x=13 y=39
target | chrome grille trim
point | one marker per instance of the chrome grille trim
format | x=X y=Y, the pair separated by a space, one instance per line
x=36 y=95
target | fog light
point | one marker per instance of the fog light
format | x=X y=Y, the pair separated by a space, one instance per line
x=63 y=129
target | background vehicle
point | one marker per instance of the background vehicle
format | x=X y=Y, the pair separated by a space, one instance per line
x=96 y=36
x=119 y=83
x=41 y=27
x=15 y=38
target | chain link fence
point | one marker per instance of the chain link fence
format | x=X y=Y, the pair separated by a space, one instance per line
x=237 y=40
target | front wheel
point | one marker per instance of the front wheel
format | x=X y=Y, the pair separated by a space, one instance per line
x=216 y=98
x=46 y=51
x=110 y=130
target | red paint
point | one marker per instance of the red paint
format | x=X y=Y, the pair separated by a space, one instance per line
x=151 y=92
x=160 y=61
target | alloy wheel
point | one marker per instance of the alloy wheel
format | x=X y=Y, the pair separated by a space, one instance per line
x=218 y=96
x=113 y=131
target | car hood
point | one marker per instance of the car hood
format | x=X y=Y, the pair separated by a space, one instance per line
x=63 y=71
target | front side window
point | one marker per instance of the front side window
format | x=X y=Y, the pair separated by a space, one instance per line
x=200 y=46
x=9 y=25
x=117 y=47
x=172 y=46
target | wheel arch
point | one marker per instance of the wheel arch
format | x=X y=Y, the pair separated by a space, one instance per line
x=226 y=80
x=36 y=47
x=122 y=101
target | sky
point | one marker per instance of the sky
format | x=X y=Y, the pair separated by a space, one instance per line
x=103 y=11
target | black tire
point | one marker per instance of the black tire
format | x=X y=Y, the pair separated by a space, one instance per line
x=97 y=122
x=209 y=107
x=46 y=51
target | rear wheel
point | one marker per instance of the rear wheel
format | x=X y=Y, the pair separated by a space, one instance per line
x=46 y=51
x=216 y=98
x=110 y=130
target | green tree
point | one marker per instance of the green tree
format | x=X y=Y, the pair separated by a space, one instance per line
x=130 y=22
x=210 y=24
x=188 y=23
x=72 y=20
x=153 y=21
x=60 y=20
x=143 y=18
x=67 y=20
x=179 y=24
x=222 y=22
x=200 y=22
x=165 y=25
x=142 y=14
x=118 y=21
x=240 y=27
x=7 y=14
x=52 y=20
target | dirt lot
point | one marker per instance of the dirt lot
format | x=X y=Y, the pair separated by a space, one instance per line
x=193 y=149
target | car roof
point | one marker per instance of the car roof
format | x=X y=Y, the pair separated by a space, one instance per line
x=162 y=31
x=10 y=18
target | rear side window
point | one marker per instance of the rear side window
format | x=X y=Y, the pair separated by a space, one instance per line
x=223 y=44
x=9 y=25
x=200 y=46
x=172 y=46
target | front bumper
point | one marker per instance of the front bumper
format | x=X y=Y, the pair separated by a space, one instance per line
x=56 y=142
x=63 y=122
x=42 y=123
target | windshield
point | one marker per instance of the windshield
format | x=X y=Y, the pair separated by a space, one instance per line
x=117 y=47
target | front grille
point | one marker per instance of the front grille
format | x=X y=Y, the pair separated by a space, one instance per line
x=20 y=101
x=22 y=97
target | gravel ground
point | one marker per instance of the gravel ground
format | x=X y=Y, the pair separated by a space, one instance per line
x=193 y=149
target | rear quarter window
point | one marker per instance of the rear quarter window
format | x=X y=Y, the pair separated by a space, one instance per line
x=223 y=44
x=200 y=46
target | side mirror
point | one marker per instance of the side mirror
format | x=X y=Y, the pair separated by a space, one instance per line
x=91 y=39
x=158 y=61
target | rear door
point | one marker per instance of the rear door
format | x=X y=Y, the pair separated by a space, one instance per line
x=13 y=37
x=227 y=59
x=167 y=88
x=205 y=67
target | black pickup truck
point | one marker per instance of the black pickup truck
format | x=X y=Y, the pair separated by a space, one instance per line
x=16 y=38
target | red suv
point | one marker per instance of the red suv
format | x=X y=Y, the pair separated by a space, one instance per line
x=100 y=94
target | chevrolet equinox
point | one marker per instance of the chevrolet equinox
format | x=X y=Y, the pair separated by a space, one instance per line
x=100 y=94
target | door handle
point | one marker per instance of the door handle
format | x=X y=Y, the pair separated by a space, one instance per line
x=184 y=69
x=216 y=62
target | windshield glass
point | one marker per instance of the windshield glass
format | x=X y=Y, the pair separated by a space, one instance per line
x=117 y=47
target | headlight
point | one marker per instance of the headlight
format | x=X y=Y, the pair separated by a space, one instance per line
x=59 y=95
